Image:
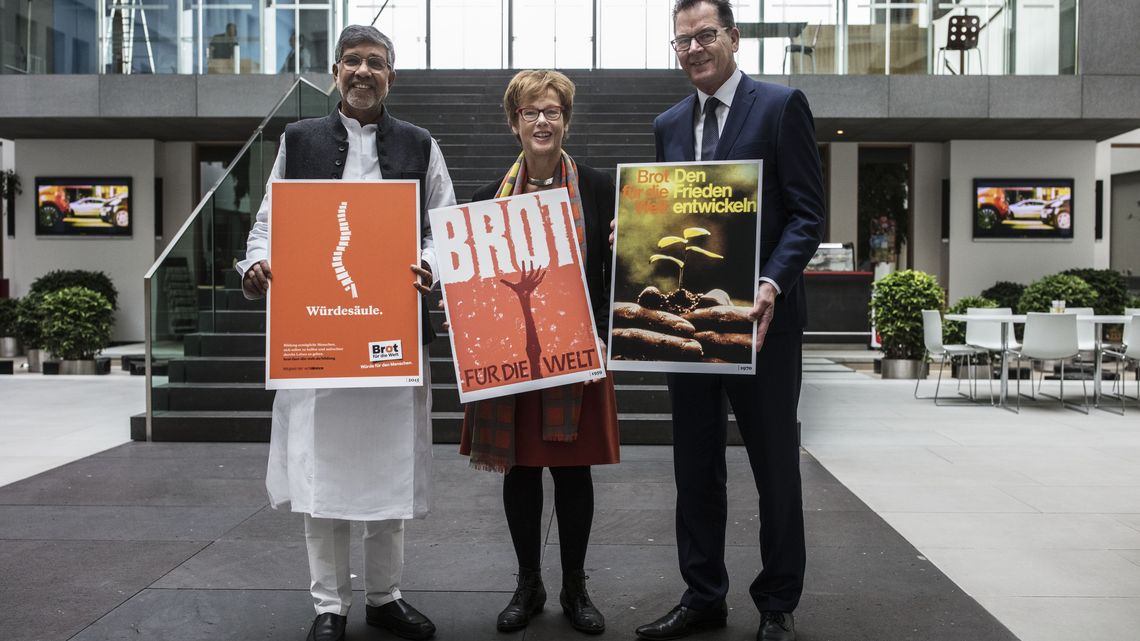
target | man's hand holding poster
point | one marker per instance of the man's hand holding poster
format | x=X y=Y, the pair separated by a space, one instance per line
x=686 y=242
x=342 y=311
x=515 y=295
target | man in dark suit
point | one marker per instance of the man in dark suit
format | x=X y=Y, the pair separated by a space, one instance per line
x=732 y=117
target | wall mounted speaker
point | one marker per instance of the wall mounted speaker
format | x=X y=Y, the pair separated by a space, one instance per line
x=945 y=209
x=158 y=208
x=1099 y=209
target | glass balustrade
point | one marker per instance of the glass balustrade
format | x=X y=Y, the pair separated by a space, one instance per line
x=193 y=282
x=1002 y=37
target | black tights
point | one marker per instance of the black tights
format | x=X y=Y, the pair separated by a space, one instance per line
x=573 y=505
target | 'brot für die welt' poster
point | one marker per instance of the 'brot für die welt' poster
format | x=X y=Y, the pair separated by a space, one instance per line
x=515 y=294
x=685 y=267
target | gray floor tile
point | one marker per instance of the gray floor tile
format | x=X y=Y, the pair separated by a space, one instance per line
x=205 y=451
x=53 y=489
x=121 y=523
x=209 y=615
x=53 y=589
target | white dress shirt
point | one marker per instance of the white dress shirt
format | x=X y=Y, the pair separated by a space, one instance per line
x=725 y=95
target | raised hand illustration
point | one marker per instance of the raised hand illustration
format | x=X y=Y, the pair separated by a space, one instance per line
x=528 y=282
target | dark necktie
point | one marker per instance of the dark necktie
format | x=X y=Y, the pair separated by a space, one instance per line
x=711 y=136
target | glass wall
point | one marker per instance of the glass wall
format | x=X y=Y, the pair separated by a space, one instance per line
x=1001 y=37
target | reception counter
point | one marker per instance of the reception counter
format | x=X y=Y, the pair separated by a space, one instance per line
x=837 y=307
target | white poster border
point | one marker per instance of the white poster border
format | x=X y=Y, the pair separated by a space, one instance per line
x=531 y=385
x=682 y=367
x=367 y=380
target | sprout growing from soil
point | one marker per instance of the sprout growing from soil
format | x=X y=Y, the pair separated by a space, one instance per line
x=669 y=241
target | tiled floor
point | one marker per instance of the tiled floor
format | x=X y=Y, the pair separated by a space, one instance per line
x=1036 y=516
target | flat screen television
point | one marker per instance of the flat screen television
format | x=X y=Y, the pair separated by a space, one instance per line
x=1023 y=208
x=81 y=206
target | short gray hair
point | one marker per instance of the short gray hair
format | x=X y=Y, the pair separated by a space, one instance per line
x=357 y=34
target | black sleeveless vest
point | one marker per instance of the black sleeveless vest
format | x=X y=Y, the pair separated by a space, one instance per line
x=316 y=149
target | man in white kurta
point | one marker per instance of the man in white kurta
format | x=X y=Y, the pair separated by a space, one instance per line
x=363 y=454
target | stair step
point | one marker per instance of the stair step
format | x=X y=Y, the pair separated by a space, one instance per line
x=235 y=300
x=203 y=426
x=227 y=321
x=228 y=344
x=212 y=397
x=217 y=369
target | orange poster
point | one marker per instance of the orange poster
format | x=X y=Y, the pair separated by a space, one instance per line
x=342 y=311
x=515 y=294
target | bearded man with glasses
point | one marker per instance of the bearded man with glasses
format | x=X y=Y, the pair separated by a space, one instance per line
x=364 y=454
x=732 y=117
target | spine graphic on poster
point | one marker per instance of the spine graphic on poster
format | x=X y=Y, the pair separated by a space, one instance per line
x=339 y=269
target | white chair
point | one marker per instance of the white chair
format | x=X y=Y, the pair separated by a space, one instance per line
x=1086 y=337
x=1049 y=337
x=986 y=335
x=1127 y=357
x=932 y=337
x=1086 y=330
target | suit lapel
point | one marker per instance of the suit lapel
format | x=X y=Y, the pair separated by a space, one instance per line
x=686 y=139
x=737 y=115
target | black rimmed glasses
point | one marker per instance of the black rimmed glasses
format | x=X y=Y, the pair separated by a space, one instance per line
x=530 y=114
x=352 y=63
x=703 y=38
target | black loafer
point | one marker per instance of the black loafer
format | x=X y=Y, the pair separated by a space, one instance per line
x=776 y=626
x=683 y=621
x=327 y=627
x=400 y=619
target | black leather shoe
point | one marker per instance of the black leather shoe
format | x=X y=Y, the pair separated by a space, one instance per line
x=400 y=619
x=776 y=626
x=527 y=601
x=683 y=621
x=327 y=627
x=577 y=607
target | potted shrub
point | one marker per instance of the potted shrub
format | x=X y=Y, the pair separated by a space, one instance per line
x=1039 y=296
x=29 y=329
x=77 y=326
x=63 y=278
x=896 y=311
x=1111 y=295
x=9 y=346
x=1005 y=294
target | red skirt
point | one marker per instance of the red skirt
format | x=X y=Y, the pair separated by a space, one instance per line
x=597 y=442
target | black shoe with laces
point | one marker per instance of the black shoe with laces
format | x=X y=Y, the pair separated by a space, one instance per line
x=527 y=601
x=776 y=626
x=577 y=607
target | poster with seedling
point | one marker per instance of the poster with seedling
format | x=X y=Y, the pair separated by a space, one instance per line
x=685 y=267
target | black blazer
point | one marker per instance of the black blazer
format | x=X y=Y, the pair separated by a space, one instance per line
x=772 y=123
x=597 y=192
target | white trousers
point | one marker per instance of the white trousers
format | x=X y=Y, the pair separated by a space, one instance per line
x=327 y=541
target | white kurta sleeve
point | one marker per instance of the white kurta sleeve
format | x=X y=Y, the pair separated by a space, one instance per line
x=440 y=193
x=257 y=244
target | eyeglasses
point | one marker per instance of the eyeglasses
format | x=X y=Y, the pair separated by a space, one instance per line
x=352 y=63
x=530 y=115
x=704 y=38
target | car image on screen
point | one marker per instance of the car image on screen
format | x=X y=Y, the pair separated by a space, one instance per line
x=1028 y=208
x=88 y=207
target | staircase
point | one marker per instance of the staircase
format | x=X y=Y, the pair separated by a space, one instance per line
x=215 y=390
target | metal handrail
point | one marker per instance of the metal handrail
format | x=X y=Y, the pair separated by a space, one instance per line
x=190 y=220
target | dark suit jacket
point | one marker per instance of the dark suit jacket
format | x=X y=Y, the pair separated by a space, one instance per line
x=597 y=192
x=772 y=123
